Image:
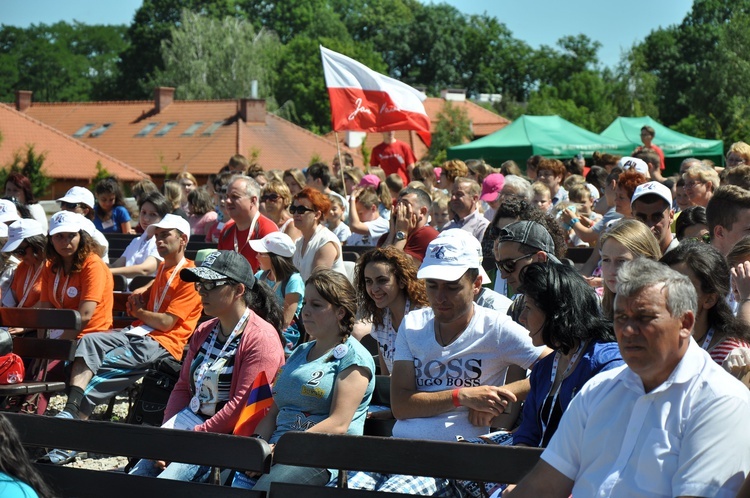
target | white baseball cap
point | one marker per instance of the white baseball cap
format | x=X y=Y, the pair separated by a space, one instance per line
x=21 y=230
x=276 y=243
x=625 y=163
x=449 y=256
x=8 y=211
x=652 y=188
x=3 y=230
x=66 y=221
x=171 y=221
x=78 y=195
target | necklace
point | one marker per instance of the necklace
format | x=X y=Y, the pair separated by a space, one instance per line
x=439 y=332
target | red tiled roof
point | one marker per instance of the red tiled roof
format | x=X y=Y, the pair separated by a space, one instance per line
x=66 y=157
x=279 y=143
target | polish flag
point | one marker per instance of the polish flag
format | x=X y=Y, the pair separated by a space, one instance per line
x=364 y=100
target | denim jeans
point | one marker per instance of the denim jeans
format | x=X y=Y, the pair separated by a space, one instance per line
x=175 y=471
x=290 y=473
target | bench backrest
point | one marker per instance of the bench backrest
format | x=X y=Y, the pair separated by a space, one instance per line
x=48 y=349
x=39 y=318
x=466 y=461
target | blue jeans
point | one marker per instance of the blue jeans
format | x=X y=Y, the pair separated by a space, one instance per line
x=290 y=473
x=175 y=471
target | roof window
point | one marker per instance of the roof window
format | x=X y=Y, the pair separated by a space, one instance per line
x=147 y=129
x=98 y=132
x=165 y=129
x=211 y=129
x=83 y=130
x=193 y=128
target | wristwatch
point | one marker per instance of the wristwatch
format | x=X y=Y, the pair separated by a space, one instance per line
x=400 y=235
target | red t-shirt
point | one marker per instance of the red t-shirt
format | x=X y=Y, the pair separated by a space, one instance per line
x=227 y=239
x=656 y=149
x=393 y=158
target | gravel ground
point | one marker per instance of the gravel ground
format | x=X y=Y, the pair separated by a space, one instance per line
x=92 y=461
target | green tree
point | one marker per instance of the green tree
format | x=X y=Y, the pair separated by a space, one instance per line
x=60 y=62
x=30 y=165
x=209 y=59
x=151 y=25
x=101 y=174
x=453 y=128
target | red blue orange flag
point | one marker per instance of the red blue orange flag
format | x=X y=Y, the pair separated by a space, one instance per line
x=258 y=404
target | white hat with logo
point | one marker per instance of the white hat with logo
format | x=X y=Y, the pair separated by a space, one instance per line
x=21 y=230
x=652 y=188
x=78 y=195
x=171 y=221
x=66 y=221
x=276 y=243
x=625 y=163
x=8 y=211
x=450 y=255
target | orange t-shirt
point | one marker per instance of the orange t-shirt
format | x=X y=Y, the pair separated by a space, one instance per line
x=19 y=283
x=182 y=301
x=93 y=283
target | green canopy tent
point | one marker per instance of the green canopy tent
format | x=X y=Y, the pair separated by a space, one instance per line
x=676 y=146
x=549 y=136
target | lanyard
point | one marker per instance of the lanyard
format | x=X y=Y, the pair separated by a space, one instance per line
x=249 y=232
x=29 y=284
x=553 y=375
x=707 y=340
x=200 y=373
x=160 y=299
x=387 y=320
x=64 y=289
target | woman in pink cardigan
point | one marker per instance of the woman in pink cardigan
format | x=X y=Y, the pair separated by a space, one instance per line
x=225 y=355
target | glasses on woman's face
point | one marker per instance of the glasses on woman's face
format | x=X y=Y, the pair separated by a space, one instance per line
x=693 y=183
x=509 y=265
x=209 y=285
x=21 y=251
x=300 y=210
x=68 y=206
x=269 y=197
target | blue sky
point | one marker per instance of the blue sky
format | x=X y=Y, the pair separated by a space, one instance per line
x=617 y=26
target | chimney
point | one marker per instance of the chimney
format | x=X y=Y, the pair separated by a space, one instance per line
x=253 y=110
x=454 y=94
x=163 y=96
x=23 y=100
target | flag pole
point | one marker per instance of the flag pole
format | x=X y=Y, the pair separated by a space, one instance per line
x=341 y=161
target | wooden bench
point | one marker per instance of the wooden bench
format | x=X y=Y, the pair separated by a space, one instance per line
x=202 y=448
x=465 y=461
x=37 y=349
x=118 y=242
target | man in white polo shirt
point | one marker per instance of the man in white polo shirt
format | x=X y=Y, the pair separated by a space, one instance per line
x=670 y=423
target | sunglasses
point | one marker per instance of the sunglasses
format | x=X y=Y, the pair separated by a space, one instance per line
x=21 y=251
x=269 y=197
x=68 y=205
x=209 y=285
x=705 y=238
x=300 y=210
x=509 y=265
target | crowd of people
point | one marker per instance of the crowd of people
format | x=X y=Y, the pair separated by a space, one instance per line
x=628 y=368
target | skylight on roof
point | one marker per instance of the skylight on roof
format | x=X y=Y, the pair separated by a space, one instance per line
x=211 y=129
x=193 y=128
x=147 y=129
x=82 y=131
x=100 y=130
x=166 y=129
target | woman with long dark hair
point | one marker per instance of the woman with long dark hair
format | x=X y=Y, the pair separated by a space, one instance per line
x=19 y=187
x=18 y=477
x=225 y=354
x=716 y=328
x=561 y=312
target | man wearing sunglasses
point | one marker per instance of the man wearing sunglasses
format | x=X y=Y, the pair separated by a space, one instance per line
x=652 y=204
x=167 y=312
x=518 y=245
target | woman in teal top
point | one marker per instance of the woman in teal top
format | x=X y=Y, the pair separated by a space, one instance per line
x=275 y=252
x=327 y=383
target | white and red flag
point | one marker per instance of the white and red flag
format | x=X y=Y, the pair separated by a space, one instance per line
x=364 y=100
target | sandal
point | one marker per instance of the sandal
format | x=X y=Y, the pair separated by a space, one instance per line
x=59 y=457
